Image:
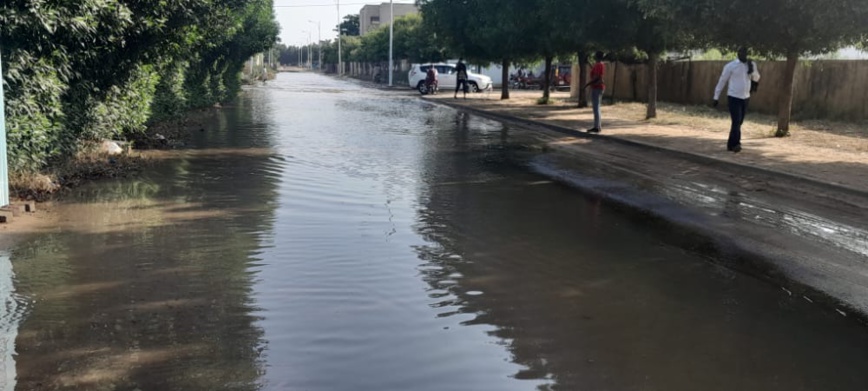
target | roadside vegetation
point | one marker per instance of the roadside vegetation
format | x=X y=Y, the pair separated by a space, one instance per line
x=78 y=72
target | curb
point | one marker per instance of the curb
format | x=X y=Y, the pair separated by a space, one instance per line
x=725 y=252
x=686 y=155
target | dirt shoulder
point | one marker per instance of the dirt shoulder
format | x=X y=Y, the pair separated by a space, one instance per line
x=830 y=152
x=808 y=237
x=43 y=220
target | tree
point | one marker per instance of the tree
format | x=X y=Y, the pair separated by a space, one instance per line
x=480 y=33
x=786 y=28
x=572 y=34
x=416 y=43
x=350 y=25
x=654 y=30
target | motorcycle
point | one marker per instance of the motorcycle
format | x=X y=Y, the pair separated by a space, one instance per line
x=429 y=87
x=518 y=82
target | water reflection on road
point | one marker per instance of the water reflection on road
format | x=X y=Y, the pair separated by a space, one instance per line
x=324 y=236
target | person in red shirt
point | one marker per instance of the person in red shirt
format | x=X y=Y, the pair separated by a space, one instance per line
x=597 y=88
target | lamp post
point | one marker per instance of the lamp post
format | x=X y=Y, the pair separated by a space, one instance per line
x=391 y=37
x=340 y=60
x=308 y=62
x=319 y=38
x=4 y=174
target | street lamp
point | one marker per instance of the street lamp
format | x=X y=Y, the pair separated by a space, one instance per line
x=4 y=174
x=319 y=37
x=340 y=60
x=391 y=38
x=309 y=61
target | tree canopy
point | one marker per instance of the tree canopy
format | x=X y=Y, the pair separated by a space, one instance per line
x=779 y=28
x=350 y=25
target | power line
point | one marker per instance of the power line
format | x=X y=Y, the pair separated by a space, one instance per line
x=315 y=5
x=324 y=5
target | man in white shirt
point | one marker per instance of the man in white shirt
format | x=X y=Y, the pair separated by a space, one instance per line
x=738 y=74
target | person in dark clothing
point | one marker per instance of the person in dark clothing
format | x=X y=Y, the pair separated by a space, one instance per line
x=461 y=78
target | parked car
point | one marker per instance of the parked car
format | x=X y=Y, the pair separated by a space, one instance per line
x=447 y=77
x=564 y=77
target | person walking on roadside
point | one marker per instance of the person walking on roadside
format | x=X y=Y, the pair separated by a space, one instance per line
x=742 y=76
x=597 y=89
x=461 y=77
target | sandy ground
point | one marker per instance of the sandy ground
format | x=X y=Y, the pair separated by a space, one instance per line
x=827 y=151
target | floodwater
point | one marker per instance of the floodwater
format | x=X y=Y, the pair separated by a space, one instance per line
x=322 y=236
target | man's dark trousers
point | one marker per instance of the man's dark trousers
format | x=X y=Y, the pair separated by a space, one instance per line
x=737 y=110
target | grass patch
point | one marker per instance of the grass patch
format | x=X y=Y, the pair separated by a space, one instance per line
x=543 y=101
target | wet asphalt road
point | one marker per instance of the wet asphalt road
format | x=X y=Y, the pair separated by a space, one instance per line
x=325 y=236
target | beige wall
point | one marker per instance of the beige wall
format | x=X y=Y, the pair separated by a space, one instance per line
x=384 y=13
x=823 y=89
x=365 y=15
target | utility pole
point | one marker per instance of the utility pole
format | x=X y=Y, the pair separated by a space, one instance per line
x=340 y=60
x=4 y=172
x=307 y=49
x=391 y=38
x=319 y=37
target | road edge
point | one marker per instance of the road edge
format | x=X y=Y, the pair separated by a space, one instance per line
x=737 y=258
x=637 y=144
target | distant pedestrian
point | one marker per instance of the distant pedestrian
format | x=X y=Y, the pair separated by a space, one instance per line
x=597 y=89
x=461 y=77
x=741 y=74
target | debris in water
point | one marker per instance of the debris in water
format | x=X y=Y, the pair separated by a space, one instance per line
x=786 y=290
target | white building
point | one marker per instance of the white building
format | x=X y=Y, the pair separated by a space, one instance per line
x=371 y=16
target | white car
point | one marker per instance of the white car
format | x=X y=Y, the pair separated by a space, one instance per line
x=447 y=78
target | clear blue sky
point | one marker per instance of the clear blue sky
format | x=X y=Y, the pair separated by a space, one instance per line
x=293 y=16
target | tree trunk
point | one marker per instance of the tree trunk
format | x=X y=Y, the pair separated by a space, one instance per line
x=504 y=88
x=786 y=103
x=615 y=82
x=652 y=86
x=548 y=78
x=583 y=78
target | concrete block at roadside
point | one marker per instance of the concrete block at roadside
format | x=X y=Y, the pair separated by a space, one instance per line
x=15 y=209
x=6 y=215
x=28 y=206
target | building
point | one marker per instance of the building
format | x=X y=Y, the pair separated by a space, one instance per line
x=371 y=16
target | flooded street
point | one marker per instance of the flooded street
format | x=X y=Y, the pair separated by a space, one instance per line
x=322 y=236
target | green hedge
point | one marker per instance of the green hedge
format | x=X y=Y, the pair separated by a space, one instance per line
x=96 y=69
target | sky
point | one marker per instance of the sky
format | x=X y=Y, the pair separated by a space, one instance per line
x=293 y=16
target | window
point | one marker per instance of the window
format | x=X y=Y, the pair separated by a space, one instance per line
x=445 y=69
